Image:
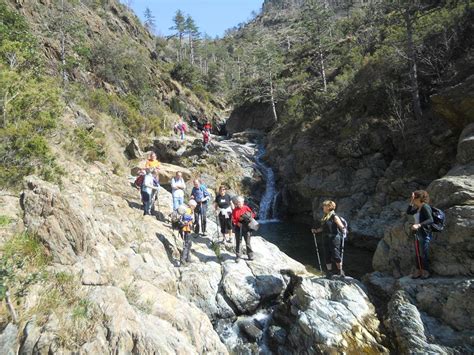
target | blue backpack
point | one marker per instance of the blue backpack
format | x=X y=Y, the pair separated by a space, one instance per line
x=439 y=220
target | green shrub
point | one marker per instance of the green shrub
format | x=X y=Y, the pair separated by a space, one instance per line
x=5 y=221
x=185 y=73
x=90 y=145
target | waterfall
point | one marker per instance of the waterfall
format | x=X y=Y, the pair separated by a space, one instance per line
x=267 y=211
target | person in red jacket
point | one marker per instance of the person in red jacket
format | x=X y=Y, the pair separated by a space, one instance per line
x=240 y=219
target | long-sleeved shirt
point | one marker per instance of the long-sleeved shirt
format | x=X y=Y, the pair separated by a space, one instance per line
x=177 y=187
x=425 y=216
x=239 y=211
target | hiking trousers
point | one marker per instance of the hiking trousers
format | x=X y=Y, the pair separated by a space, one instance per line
x=238 y=240
x=225 y=224
x=147 y=202
x=200 y=210
x=186 y=247
x=422 y=248
x=332 y=248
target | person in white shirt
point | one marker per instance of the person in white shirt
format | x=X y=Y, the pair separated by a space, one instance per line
x=178 y=186
x=147 y=189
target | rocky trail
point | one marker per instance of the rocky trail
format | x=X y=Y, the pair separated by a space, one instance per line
x=123 y=265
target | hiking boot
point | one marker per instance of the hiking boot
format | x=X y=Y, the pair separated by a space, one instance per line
x=341 y=273
x=425 y=275
x=237 y=259
x=416 y=274
x=250 y=257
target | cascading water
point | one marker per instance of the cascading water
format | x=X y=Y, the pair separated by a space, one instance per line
x=267 y=211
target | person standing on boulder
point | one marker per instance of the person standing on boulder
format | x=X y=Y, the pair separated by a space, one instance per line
x=423 y=215
x=178 y=186
x=200 y=194
x=223 y=205
x=241 y=216
x=331 y=225
x=187 y=220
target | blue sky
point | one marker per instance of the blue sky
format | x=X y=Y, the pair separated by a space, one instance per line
x=212 y=16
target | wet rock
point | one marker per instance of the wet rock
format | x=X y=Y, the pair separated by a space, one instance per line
x=277 y=336
x=250 y=329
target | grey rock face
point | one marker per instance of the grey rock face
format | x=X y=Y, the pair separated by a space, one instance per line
x=133 y=150
x=427 y=316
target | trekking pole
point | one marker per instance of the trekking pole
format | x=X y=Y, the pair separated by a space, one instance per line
x=201 y=218
x=240 y=240
x=317 y=252
x=342 y=252
x=417 y=251
x=217 y=228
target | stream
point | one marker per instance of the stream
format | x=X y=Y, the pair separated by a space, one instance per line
x=295 y=239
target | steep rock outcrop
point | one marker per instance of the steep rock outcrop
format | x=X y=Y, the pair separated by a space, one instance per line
x=452 y=249
x=455 y=104
x=422 y=316
x=257 y=116
x=127 y=262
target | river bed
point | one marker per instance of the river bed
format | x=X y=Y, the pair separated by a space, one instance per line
x=296 y=240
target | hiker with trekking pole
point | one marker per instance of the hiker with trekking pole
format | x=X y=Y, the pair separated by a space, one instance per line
x=244 y=222
x=223 y=206
x=334 y=231
x=201 y=195
x=421 y=231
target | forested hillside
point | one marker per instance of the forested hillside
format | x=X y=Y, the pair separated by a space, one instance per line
x=68 y=66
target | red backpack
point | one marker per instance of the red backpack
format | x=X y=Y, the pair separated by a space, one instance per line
x=139 y=181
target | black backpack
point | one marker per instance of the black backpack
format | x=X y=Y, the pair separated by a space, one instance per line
x=439 y=220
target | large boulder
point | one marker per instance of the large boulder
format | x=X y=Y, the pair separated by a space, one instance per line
x=315 y=306
x=48 y=214
x=426 y=316
x=257 y=116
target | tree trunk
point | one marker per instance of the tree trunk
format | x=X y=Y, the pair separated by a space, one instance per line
x=323 y=70
x=272 y=99
x=415 y=93
x=180 y=56
x=191 y=46
x=63 y=44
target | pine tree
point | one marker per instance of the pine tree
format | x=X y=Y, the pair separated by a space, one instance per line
x=193 y=33
x=180 y=28
x=149 y=20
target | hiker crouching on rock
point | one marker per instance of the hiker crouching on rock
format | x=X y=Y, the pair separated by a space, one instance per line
x=423 y=215
x=148 y=190
x=186 y=222
x=223 y=205
x=241 y=216
x=331 y=224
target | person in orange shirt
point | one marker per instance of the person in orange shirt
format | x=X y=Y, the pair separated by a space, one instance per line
x=152 y=162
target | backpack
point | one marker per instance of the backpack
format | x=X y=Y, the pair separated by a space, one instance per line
x=344 y=232
x=139 y=181
x=245 y=218
x=184 y=127
x=439 y=220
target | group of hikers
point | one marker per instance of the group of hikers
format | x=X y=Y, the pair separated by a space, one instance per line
x=232 y=215
x=235 y=218
x=180 y=129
